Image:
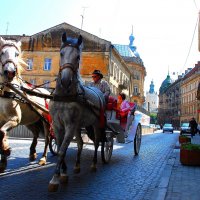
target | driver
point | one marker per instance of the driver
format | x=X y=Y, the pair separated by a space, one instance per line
x=102 y=85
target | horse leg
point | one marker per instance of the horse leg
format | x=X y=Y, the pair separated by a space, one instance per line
x=33 y=154
x=77 y=168
x=62 y=148
x=63 y=173
x=3 y=163
x=4 y=150
x=34 y=128
x=43 y=160
x=97 y=133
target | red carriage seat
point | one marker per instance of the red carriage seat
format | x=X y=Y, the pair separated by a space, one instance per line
x=112 y=103
x=111 y=107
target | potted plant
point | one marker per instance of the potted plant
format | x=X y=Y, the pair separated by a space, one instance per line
x=190 y=154
x=184 y=139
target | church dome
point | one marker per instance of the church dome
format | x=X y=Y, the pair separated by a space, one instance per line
x=165 y=84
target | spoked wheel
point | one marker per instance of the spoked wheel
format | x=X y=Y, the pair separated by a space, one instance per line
x=107 y=148
x=137 y=140
x=53 y=146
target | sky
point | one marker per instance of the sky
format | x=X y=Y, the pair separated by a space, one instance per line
x=164 y=30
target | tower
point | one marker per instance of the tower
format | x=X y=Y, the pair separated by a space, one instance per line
x=152 y=99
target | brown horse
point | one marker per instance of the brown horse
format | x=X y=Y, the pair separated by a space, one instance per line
x=13 y=109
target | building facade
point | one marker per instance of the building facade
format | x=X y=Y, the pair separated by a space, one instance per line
x=41 y=52
x=178 y=100
x=189 y=88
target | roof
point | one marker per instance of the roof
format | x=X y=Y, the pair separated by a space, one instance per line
x=165 y=84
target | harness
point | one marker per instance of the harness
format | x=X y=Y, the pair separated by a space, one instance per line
x=9 y=60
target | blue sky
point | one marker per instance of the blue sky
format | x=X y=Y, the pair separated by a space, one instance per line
x=163 y=29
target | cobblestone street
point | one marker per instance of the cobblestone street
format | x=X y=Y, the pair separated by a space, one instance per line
x=125 y=177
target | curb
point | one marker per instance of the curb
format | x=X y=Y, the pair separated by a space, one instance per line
x=159 y=193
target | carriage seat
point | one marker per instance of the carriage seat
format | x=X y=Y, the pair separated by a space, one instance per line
x=111 y=108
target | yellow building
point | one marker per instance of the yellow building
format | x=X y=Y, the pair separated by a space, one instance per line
x=41 y=52
x=189 y=87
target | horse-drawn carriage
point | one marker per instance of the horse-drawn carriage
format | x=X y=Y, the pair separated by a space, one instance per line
x=74 y=108
x=116 y=127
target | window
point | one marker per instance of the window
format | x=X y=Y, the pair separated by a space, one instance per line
x=30 y=64
x=135 y=90
x=33 y=81
x=47 y=64
x=46 y=84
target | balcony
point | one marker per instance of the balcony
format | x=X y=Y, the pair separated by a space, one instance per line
x=123 y=85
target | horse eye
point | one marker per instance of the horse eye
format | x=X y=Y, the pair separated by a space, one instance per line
x=16 y=54
x=61 y=54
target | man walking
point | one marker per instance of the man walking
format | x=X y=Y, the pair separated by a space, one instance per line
x=193 y=126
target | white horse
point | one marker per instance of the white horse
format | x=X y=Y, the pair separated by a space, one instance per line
x=74 y=106
x=13 y=109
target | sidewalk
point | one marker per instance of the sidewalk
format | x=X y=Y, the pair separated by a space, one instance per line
x=179 y=182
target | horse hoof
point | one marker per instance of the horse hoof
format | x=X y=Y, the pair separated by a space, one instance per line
x=53 y=187
x=32 y=157
x=2 y=169
x=77 y=170
x=42 y=162
x=7 y=152
x=63 y=178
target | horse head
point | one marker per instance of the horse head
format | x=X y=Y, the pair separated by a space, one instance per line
x=10 y=59
x=69 y=58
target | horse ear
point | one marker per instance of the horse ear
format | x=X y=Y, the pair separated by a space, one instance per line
x=19 y=43
x=2 y=41
x=64 y=37
x=80 y=39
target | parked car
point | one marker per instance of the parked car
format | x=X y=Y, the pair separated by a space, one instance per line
x=158 y=127
x=168 y=128
x=185 y=128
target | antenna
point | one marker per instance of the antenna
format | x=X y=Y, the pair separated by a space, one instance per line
x=82 y=16
x=7 y=28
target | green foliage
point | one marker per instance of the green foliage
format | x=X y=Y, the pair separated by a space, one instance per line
x=183 y=136
x=153 y=118
x=189 y=146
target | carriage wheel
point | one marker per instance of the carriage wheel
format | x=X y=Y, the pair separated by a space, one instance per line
x=137 y=140
x=53 y=147
x=106 y=149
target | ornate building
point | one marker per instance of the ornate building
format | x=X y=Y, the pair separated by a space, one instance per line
x=41 y=52
x=189 y=88
x=136 y=67
x=152 y=99
x=178 y=100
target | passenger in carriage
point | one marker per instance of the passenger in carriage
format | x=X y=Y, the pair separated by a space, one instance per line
x=103 y=85
x=125 y=106
x=124 y=112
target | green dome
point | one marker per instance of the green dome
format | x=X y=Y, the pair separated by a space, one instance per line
x=165 y=84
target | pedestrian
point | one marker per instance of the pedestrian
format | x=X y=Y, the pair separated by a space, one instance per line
x=102 y=85
x=193 y=126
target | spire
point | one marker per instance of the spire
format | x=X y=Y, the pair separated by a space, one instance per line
x=151 y=90
x=131 y=38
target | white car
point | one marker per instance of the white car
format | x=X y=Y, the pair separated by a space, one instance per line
x=168 y=128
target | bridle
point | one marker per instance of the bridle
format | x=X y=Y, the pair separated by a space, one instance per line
x=9 y=60
x=70 y=66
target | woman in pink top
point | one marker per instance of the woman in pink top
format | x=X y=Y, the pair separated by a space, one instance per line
x=125 y=104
